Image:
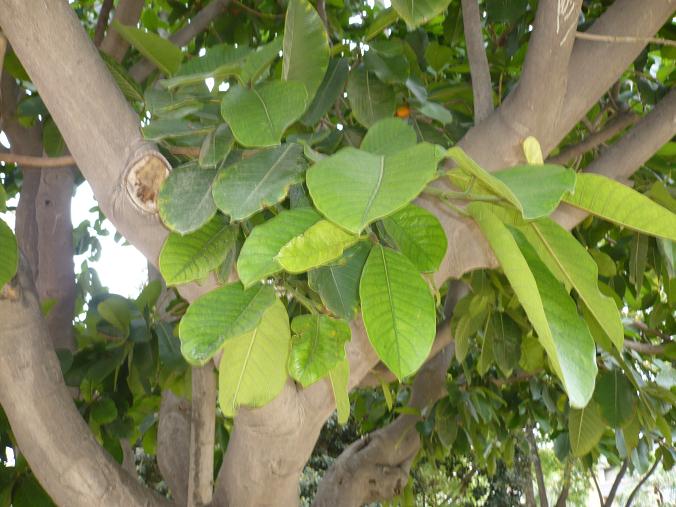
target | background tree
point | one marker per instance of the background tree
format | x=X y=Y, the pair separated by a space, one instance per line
x=379 y=180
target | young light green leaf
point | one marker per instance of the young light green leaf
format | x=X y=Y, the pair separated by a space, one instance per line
x=164 y=54
x=259 y=116
x=618 y=203
x=378 y=185
x=419 y=235
x=338 y=283
x=616 y=397
x=115 y=310
x=534 y=190
x=328 y=92
x=191 y=257
x=419 y=12
x=388 y=136
x=320 y=244
x=585 y=428
x=216 y=146
x=370 y=99
x=254 y=183
x=577 y=269
x=185 y=199
x=340 y=383
x=532 y=151
x=550 y=309
x=257 y=257
x=252 y=371
x=317 y=346
x=220 y=315
x=398 y=311
x=9 y=254
x=306 y=46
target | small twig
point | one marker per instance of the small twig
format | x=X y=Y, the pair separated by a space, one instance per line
x=257 y=13
x=642 y=326
x=644 y=348
x=598 y=488
x=102 y=22
x=630 y=500
x=623 y=39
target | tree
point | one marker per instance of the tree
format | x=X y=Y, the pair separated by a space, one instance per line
x=349 y=198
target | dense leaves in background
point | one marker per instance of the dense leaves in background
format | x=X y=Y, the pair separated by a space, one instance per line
x=309 y=139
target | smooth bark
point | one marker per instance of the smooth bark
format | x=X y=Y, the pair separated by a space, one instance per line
x=482 y=90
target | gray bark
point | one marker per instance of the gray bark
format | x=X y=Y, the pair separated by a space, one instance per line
x=482 y=90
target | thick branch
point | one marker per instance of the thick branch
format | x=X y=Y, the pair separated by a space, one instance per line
x=102 y=22
x=50 y=431
x=624 y=39
x=616 y=484
x=202 y=428
x=612 y=128
x=200 y=22
x=127 y=12
x=640 y=484
x=542 y=489
x=173 y=445
x=478 y=62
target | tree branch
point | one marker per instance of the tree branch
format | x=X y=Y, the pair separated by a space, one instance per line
x=645 y=348
x=562 y=499
x=127 y=12
x=202 y=428
x=616 y=484
x=611 y=129
x=640 y=484
x=542 y=489
x=200 y=22
x=50 y=431
x=173 y=445
x=478 y=62
x=623 y=39
x=102 y=22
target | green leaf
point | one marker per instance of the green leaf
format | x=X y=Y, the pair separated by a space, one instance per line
x=532 y=355
x=174 y=128
x=9 y=254
x=220 y=61
x=577 y=269
x=419 y=235
x=506 y=336
x=129 y=88
x=382 y=21
x=254 y=183
x=622 y=205
x=115 y=310
x=638 y=259
x=419 y=12
x=220 y=315
x=535 y=190
x=252 y=371
x=388 y=136
x=585 y=428
x=378 y=185
x=561 y=331
x=338 y=283
x=317 y=346
x=320 y=244
x=616 y=397
x=3 y=199
x=166 y=56
x=103 y=411
x=185 y=199
x=468 y=318
x=29 y=493
x=306 y=46
x=259 y=116
x=328 y=92
x=216 y=147
x=371 y=100
x=486 y=357
x=187 y=258
x=258 y=61
x=340 y=378
x=398 y=311
x=257 y=259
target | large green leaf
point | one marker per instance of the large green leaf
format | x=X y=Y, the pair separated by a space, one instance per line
x=216 y=146
x=257 y=259
x=388 y=136
x=252 y=371
x=320 y=244
x=191 y=257
x=306 y=46
x=550 y=309
x=185 y=199
x=317 y=346
x=419 y=236
x=618 y=203
x=577 y=269
x=338 y=283
x=165 y=55
x=398 y=311
x=340 y=383
x=328 y=92
x=9 y=254
x=370 y=99
x=535 y=190
x=585 y=428
x=506 y=337
x=418 y=12
x=220 y=315
x=259 y=116
x=378 y=185
x=254 y=183
x=616 y=397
